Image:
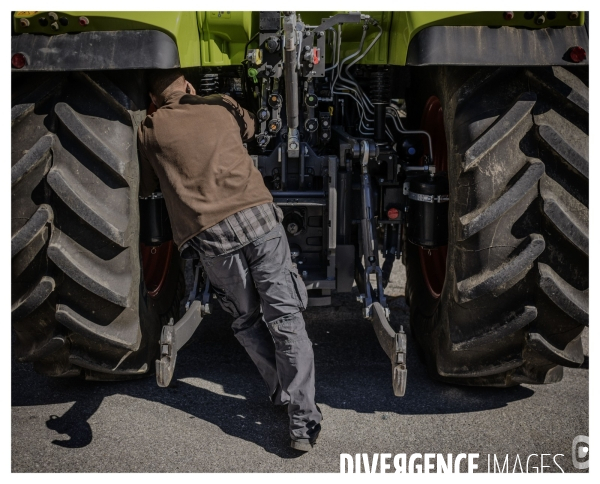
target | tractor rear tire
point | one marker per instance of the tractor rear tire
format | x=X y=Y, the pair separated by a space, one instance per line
x=514 y=300
x=79 y=303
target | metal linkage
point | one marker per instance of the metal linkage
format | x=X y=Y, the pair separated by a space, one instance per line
x=290 y=62
x=366 y=219
x=374 y=302
x=428 y=168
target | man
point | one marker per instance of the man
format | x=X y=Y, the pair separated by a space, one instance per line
x=220 y=208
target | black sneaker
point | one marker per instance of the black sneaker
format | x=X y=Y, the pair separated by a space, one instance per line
x=302 y=445
x=306 y=445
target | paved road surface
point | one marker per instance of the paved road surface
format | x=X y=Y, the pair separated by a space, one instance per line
x=218 y=418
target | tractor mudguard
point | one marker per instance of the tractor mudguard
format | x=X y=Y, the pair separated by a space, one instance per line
x=495 y=46
x=124 y=49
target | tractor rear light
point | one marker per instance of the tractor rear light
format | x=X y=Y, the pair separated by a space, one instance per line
x=83 y=21
x=573 y=15
x=393 y=213
x=509 y=15
x=18 y=60
x=24 y=22
x=577 y=54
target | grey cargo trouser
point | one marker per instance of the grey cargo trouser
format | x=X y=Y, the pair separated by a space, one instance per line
x=260 y=275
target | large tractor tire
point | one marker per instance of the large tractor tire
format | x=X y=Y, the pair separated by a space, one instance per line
x=80 y=305
x=507 y=300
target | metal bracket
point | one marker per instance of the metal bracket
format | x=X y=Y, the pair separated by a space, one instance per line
x=419 y=197
x=293 y=143
x=318 y=70
x=427 y=168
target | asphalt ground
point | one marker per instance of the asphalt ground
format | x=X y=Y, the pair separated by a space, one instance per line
x=217 y=418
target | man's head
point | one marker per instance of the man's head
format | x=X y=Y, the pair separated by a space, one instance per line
x=164 y=82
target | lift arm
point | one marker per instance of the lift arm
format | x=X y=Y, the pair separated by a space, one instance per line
x=175 y=335
x=374 y=303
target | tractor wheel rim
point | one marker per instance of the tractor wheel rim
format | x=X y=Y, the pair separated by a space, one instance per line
x=433 y=261
x=156 y=261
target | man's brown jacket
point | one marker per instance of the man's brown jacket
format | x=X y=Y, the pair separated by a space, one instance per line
x=192 y=146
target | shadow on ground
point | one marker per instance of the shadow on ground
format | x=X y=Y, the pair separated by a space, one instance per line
x=352 y=373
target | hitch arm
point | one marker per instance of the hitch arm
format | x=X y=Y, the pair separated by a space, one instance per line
x=374 y=303
x=394 y=345
x=172 y=339
x=175 y=335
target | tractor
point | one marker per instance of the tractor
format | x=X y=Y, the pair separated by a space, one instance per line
x=456 y=142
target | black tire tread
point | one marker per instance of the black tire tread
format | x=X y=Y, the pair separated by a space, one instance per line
x=503 y=277
x=566 y=213
x=568 y=299
x=33 y=299
x=79 y=308
x=569 y=153
x=118 y=333
x=474 y=221
x=100 y=150
x=109 y=279
x=571 y=356
x=510 y=323
x=518 y=138
x=32 y=229
x=40 y=153
x=90 y=206
x=515 y=122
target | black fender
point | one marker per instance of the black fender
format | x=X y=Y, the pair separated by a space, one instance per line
x=496 y=46
x=98 y=50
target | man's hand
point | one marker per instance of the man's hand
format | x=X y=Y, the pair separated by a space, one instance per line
x=189 y=88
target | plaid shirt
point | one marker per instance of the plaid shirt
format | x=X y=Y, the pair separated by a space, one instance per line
x=234 y=232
